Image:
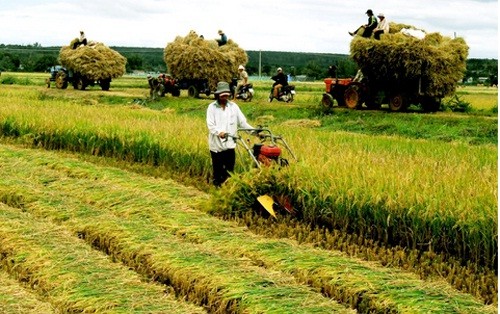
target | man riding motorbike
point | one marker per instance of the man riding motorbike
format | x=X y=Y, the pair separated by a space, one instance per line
x=280 y=80
x=242 y=79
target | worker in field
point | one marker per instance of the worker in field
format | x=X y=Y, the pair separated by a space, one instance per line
x=369 y=27
x=224 y=117
x=82 y=40
x=223 y=38
x=280 y=80
x=242 y=78
x=382 y=26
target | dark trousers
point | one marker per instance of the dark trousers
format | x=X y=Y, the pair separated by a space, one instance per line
x=367 y=31
x=222 y=163
x=376 y=34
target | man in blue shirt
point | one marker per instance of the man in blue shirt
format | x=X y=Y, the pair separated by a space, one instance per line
x=223 y=38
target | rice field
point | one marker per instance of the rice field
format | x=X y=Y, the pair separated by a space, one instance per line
x=387 y=223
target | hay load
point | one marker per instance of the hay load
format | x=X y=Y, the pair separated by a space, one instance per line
x=193 y=57
x=436 y=62
x=94 y=61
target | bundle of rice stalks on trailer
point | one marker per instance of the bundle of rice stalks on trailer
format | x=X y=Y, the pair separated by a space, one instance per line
x=407 y=69
x=87 y=64
x=198 y=64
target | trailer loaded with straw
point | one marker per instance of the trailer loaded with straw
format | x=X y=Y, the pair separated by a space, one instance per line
x=198 y=64
x=401 y=70
x=87 y=65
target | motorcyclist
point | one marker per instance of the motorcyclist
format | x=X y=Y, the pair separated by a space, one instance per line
x=280 y=80
x=242 y=78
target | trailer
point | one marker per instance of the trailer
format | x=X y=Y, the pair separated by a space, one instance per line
x=400 y=70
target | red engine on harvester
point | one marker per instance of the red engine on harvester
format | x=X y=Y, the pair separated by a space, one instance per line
x=266 y=154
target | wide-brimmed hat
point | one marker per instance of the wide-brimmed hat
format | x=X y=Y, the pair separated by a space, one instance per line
x=223 y=89
x=220 y=32
x=241 y=67
x=381 y=15
x=279 y=70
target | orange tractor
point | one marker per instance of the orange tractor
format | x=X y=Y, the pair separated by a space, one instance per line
x=398 y=94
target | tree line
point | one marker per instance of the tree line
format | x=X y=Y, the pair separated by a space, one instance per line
x=35 y=58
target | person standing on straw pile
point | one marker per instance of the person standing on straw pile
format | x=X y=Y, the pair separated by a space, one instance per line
x=224 y=117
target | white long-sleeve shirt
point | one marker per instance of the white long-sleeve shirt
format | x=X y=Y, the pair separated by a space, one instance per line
x=226 y=120
x=383 y=25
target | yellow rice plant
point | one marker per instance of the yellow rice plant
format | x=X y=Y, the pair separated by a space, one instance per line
x=72 y=276
x=17 y=299
x=416 y=193
x=150 y=225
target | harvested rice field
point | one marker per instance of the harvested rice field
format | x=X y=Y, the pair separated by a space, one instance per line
x=105 y=207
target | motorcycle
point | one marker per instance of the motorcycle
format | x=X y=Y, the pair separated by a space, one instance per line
x=245 y=93
x=286 y=94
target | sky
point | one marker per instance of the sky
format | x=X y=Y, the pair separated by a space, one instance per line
x=269 y=25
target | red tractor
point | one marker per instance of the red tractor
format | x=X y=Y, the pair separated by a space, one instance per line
x=353 y=93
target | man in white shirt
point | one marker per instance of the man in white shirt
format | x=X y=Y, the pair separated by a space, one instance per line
x=224 y=117
x=382 y=27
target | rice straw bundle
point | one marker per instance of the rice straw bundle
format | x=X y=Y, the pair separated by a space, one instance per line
x=193 y=57
x=440 y=62
x=95 y=60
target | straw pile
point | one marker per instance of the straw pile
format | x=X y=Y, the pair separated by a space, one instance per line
x=401 y=59
x=192 y=57
x=95 y=61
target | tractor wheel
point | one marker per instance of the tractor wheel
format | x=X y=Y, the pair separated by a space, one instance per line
x=105 y=84
x=79 y=83
x=352 y=97
x=193 y=92
x=327 y=101
x=61 y=80
x=397 y=102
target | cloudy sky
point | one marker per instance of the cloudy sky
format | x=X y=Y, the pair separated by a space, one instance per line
x=276 y=25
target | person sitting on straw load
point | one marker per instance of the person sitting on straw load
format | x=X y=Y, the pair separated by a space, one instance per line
x=223 y=38
x=81 y=41
x=242 y=79
x=367 y=28
x=382 y=27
